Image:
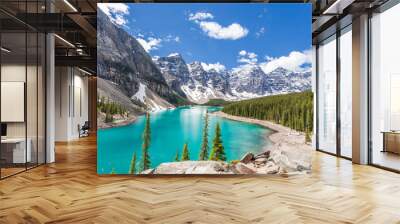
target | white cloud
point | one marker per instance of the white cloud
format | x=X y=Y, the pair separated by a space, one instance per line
x=149 y=44
x=170 y=38
x=215 y=30
x=261 y=15
x=260 y=32
x=174 y=54
x=217 y=67
x=295 y=61
x=252 y=55
x=232 y=32
x=200 y=16
x=245 y=68
x=116 y=12
x=247 y=57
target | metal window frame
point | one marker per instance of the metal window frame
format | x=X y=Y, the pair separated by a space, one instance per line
x=381 y=9
x=44 y=75
x=387 y=5
x=338 y=27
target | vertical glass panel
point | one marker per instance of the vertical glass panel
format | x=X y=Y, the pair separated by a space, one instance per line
x=327 y=95
x=13 y=86
x=346 y=92
x=31 y=98
x=385 y=89
x=32 y=88
x=41 y=99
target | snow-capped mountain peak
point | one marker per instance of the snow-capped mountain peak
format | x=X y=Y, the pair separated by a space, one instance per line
x=200 y=81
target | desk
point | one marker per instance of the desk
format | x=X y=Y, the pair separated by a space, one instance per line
x=14 y=150
x=391 y=141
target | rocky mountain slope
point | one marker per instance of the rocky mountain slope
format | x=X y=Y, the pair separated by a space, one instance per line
x=174 y=70
x=199 y=84
x=123 y=61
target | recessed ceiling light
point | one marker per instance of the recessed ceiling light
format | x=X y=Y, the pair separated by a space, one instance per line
x=70 y=5
x=64 y=40
x=84 y=71
x=337 y=7
x=5 y=50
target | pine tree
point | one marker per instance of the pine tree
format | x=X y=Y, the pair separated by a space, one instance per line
x=132 y=167
x=109 y=118
x=217 y=152
x=308 y=137
x=145 y=160
x=177 y=156
x=185 y=152
x=294 y=110
x=204 y=144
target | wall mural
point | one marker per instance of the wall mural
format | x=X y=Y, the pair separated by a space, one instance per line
x=204 y=88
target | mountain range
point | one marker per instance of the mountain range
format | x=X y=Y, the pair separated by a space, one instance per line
x=164 y=82
x=199 y=83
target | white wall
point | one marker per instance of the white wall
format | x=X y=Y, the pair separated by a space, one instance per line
x=71 y=102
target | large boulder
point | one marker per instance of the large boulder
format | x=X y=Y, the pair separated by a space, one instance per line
x=193 y=167
x=291 y=158
x=260 y=161
x=148 y=171
x=241 y=168
x=248 y=157
x=271 y=168
x=265 y=154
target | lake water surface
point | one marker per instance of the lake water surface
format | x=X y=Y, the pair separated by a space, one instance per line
x=170 y=130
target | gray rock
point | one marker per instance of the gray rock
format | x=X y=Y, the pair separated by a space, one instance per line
x=148 y=171
x=193 y=167
x=265 y=154
x=271 y=168
x=260 y=161
x=303 y=168
x=247 y=158
x=241 y=168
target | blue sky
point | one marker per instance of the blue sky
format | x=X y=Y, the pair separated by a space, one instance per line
x=227 y=34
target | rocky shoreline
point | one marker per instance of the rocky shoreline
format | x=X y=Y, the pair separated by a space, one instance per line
x=281 y=133
x=288 y=155
x=103 y=125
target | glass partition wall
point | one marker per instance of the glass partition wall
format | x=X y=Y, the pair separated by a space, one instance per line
x=385 y=89
x=334 y=90
x=22 y=77
x=334 y=105
x=345 y=91
x=327 y=95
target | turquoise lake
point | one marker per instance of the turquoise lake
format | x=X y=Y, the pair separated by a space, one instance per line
x=170 y=130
